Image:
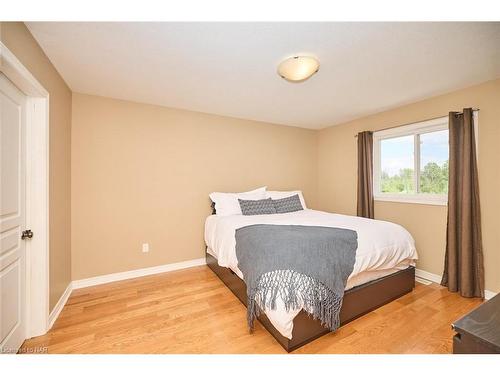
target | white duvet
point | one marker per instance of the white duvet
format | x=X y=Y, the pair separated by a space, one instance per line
x=383 y=248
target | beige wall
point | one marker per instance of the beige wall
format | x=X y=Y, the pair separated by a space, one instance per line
x=137 y=173
x=337 y=165
x=19 y=40
x=142 y=173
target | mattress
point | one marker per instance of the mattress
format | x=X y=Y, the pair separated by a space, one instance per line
x=383 y=248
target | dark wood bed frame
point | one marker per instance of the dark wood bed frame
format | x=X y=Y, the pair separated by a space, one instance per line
x=357 y=302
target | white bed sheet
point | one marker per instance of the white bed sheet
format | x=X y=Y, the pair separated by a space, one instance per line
x=383 y=248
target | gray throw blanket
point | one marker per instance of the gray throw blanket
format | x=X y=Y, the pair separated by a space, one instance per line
x=306 y=266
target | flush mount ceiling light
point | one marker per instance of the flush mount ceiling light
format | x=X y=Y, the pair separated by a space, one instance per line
x=298 y=68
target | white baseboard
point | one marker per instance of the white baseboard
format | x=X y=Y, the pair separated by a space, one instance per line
x=59 y=305
x=488 y=294
x=437 y=279
x=104 y=279
x=422 y=281
x=428 y=276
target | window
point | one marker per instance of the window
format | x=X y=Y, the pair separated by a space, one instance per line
x=411 y=163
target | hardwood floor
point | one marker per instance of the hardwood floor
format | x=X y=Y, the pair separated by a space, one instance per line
x=191 y=311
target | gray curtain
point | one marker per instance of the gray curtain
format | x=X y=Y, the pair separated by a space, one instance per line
x=463 y=270
x=365 y=175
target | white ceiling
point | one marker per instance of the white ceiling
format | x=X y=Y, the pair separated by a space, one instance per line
x=230 y=68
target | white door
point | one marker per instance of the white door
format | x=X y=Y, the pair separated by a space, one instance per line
x=12 y=216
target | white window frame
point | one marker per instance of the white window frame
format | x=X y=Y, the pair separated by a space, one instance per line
x=416 y=130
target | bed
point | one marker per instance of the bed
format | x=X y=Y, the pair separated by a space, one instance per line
x=383 y=270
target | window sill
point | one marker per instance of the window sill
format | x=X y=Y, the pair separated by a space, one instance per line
x=413 y=200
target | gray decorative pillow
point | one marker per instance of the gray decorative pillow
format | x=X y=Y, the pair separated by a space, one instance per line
x=258 y=207
x=288 y=204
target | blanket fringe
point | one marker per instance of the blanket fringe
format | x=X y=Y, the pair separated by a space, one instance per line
x=296 y=291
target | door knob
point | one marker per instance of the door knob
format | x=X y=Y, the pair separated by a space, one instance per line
x=26 y=234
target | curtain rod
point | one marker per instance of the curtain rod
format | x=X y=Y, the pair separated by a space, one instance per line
x=414 y=122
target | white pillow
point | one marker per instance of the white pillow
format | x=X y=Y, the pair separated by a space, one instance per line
x=285 y=194
x=227 y=204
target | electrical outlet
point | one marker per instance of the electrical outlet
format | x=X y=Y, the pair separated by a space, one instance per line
x=145 y=247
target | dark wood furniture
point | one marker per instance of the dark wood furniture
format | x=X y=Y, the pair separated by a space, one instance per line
x=478 y=332
x=357 y=301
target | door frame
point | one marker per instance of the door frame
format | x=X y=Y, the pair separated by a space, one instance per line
x=37 y=191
